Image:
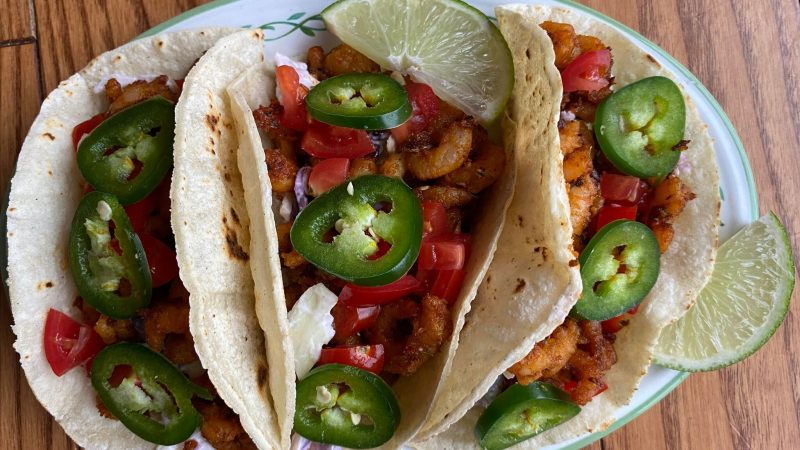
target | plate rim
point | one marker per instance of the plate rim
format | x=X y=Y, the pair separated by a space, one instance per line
x=679 y=377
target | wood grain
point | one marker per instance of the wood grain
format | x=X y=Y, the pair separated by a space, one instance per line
x=746 y=53
x=15 y=22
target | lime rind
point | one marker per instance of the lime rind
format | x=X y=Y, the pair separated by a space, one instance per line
x=459 y=52
x=741 y=307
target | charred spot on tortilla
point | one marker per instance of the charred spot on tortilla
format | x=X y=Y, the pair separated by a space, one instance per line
x=50 y=172
x=235 y=249
x=49 y=136
x=573 y=262
x=234 y=216
x=227 y=177
x=213 y=144
x=545 y=253
x=212 y=120
x=528 y=53
x=160 y=43
x=521 y=283
x=652 y=60
x=261 y=376
x=520 y=221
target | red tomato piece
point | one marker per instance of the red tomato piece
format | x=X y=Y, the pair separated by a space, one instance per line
x=434 y=219
x=441 y=255
x=68 y=343
x=328 y=174
x=161 y=259
x=327 y=141
x=383 y=248
x=614 y=324
x=292 y=98
x=85 y=128
x=611 y=212
x=139 y=212
x=622 y=189
x=353 y=295
x=367 y=357
x=349 y=320
x=424 y=107
x=447 y=284
x=588 y=72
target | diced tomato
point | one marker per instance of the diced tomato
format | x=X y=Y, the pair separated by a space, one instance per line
x=292 y=98
x=353 y=295
x=349 y=320
x=424 y=105
x=139 y=212
x=119 y=374
x=588 y=72
x=614 y=324
x=328 y=174
x=327 y=141
x=434 y=219
x=367 y=357
x=68 y=343
x=86 y=128
x=622 y=189
x=447 y=284
x=161 y=259
x=436 y=254
x=611 y=212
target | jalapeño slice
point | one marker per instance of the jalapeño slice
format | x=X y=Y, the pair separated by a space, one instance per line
x=346 y=406
x=153 y=398
x=107 y=259
x=130 y=152
x=367 y=101
x=639 y=125
x=339 y=231
x=522 y=412
x=619 y=267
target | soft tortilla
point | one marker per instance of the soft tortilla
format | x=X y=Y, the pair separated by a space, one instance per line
x=414 y=393
x=685 y=267
x=211 y=226
x=44 y=194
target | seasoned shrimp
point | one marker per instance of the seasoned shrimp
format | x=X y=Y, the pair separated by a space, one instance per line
x=452 y=152
x=282 y=170
x=140 y=90
x=449 y=196
x=114 y=330
x=584 y=202
x=431 y=328
x=669 y=200
x=362 y=166
x=316 y=62
x=481 y=170
x=577 y=147
x=345 y=59
x=565 y=42
x=165 y=319
x=393 y=165
x=549 y=356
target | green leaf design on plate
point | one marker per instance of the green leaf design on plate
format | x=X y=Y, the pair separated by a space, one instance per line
x=304 y=25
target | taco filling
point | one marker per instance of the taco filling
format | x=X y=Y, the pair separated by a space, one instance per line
x=375 y=180
x=622 y=150
x=133 y=333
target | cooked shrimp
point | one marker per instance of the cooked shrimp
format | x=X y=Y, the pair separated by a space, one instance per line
x=481 y=170
x=590 y=43
x=452 y=152
x=282 y=170
x=221 y=427
x=431 y=328
x=565 y=42
x=179 y=348
x=292 y=259
x=284 y=242
x=140 y=90
x=164 y=319
x=669 y=200
x=449 y=196
x=268 y=118
x=362 y=166
x=393 y=165
x=316 y=62
x=114 y=330
x=549 y=356
x=584 y=202
x=345 y=59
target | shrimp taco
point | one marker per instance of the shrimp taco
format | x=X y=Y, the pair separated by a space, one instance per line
x=101 y=317
x=638 y=167
x=373 y=211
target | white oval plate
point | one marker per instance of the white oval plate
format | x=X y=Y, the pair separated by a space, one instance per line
x=292 y=26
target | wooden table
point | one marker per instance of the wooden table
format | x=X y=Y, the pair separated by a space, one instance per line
x=745 y=52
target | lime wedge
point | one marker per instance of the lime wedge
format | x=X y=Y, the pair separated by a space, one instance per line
x=742 y=305
x=446 y=44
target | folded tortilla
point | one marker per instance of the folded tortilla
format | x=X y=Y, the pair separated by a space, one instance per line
x=531 y=285
x=44 y=193
x=415 y=393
